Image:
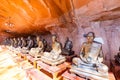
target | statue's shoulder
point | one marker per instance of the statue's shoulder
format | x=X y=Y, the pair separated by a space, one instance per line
x=84 y=43
x=97 y=43
x=58 y=43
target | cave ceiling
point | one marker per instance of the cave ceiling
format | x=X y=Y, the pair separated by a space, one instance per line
x=23 y=17
x=32 y=16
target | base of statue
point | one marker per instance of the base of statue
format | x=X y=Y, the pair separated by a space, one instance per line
x=24 y=50
x=88 y=73
x=53 y=62
x=36 y=52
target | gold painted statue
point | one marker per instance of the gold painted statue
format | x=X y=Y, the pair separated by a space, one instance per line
x=23 y=46
x=38 y=51
x=15 y=42
x=89 y=64
x=53 y=57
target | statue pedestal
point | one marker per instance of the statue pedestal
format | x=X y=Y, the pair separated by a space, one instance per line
x=69 y=76
x=22 y=55
x=35 y=74
x=35 y=52
x=88 y=72
x=116 y=70
x=32 y=60
x=54 y=70
x=53 y=62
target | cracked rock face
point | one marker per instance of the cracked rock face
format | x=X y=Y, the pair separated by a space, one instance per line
x=65 y=18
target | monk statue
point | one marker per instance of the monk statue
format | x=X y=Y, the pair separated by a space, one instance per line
x=29 y=42
x=11 y=42
x=45 y=45
x=117 y=57
x=6 y=42
x=19 y=42
x=67 y=50
x=89 y=64
x=15 y=42
x=24 y=49
x=38 y=51
x=23 y=42
x=53 y=57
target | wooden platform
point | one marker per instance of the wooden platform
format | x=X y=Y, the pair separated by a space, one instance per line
x=68 y=76
x=32 y=60
x=54 y=70
x=22 y=55
x=35 y=74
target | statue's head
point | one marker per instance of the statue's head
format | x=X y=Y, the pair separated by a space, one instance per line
x=90 y=36
x=54 y=37
x=29 y=38
x=21 y=38
x=37 y=38
x=14 y=39
x=11 y=39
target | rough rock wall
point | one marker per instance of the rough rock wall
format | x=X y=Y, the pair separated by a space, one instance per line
x=88 y=18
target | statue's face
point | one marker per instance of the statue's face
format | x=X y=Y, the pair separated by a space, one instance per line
x=37 y=38
x=29 y=37
x=21 y=38
x=54 y=38
x=90 y=38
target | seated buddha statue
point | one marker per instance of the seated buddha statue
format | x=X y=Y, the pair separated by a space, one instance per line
x=11 y=42
x=19 y=42
x=29 y=42
x=67 y=50
x=36 y=52
x=44 y=45
x=24 y=49
x=89 y=63
x=53 y=57
x=7 y=41
x=15 y=42
x=23 y=42
x=117 y=57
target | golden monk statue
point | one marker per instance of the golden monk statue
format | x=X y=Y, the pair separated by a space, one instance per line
x=38 y=51
x=23 y=46
x=15 y=42
x=89 y=64
x=39 y=42
x=23 y=41
x=53 y=57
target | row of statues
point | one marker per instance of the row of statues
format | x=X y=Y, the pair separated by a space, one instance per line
x=23 y=42
x=33 y=43
x=117 y=58
x=87 y=64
